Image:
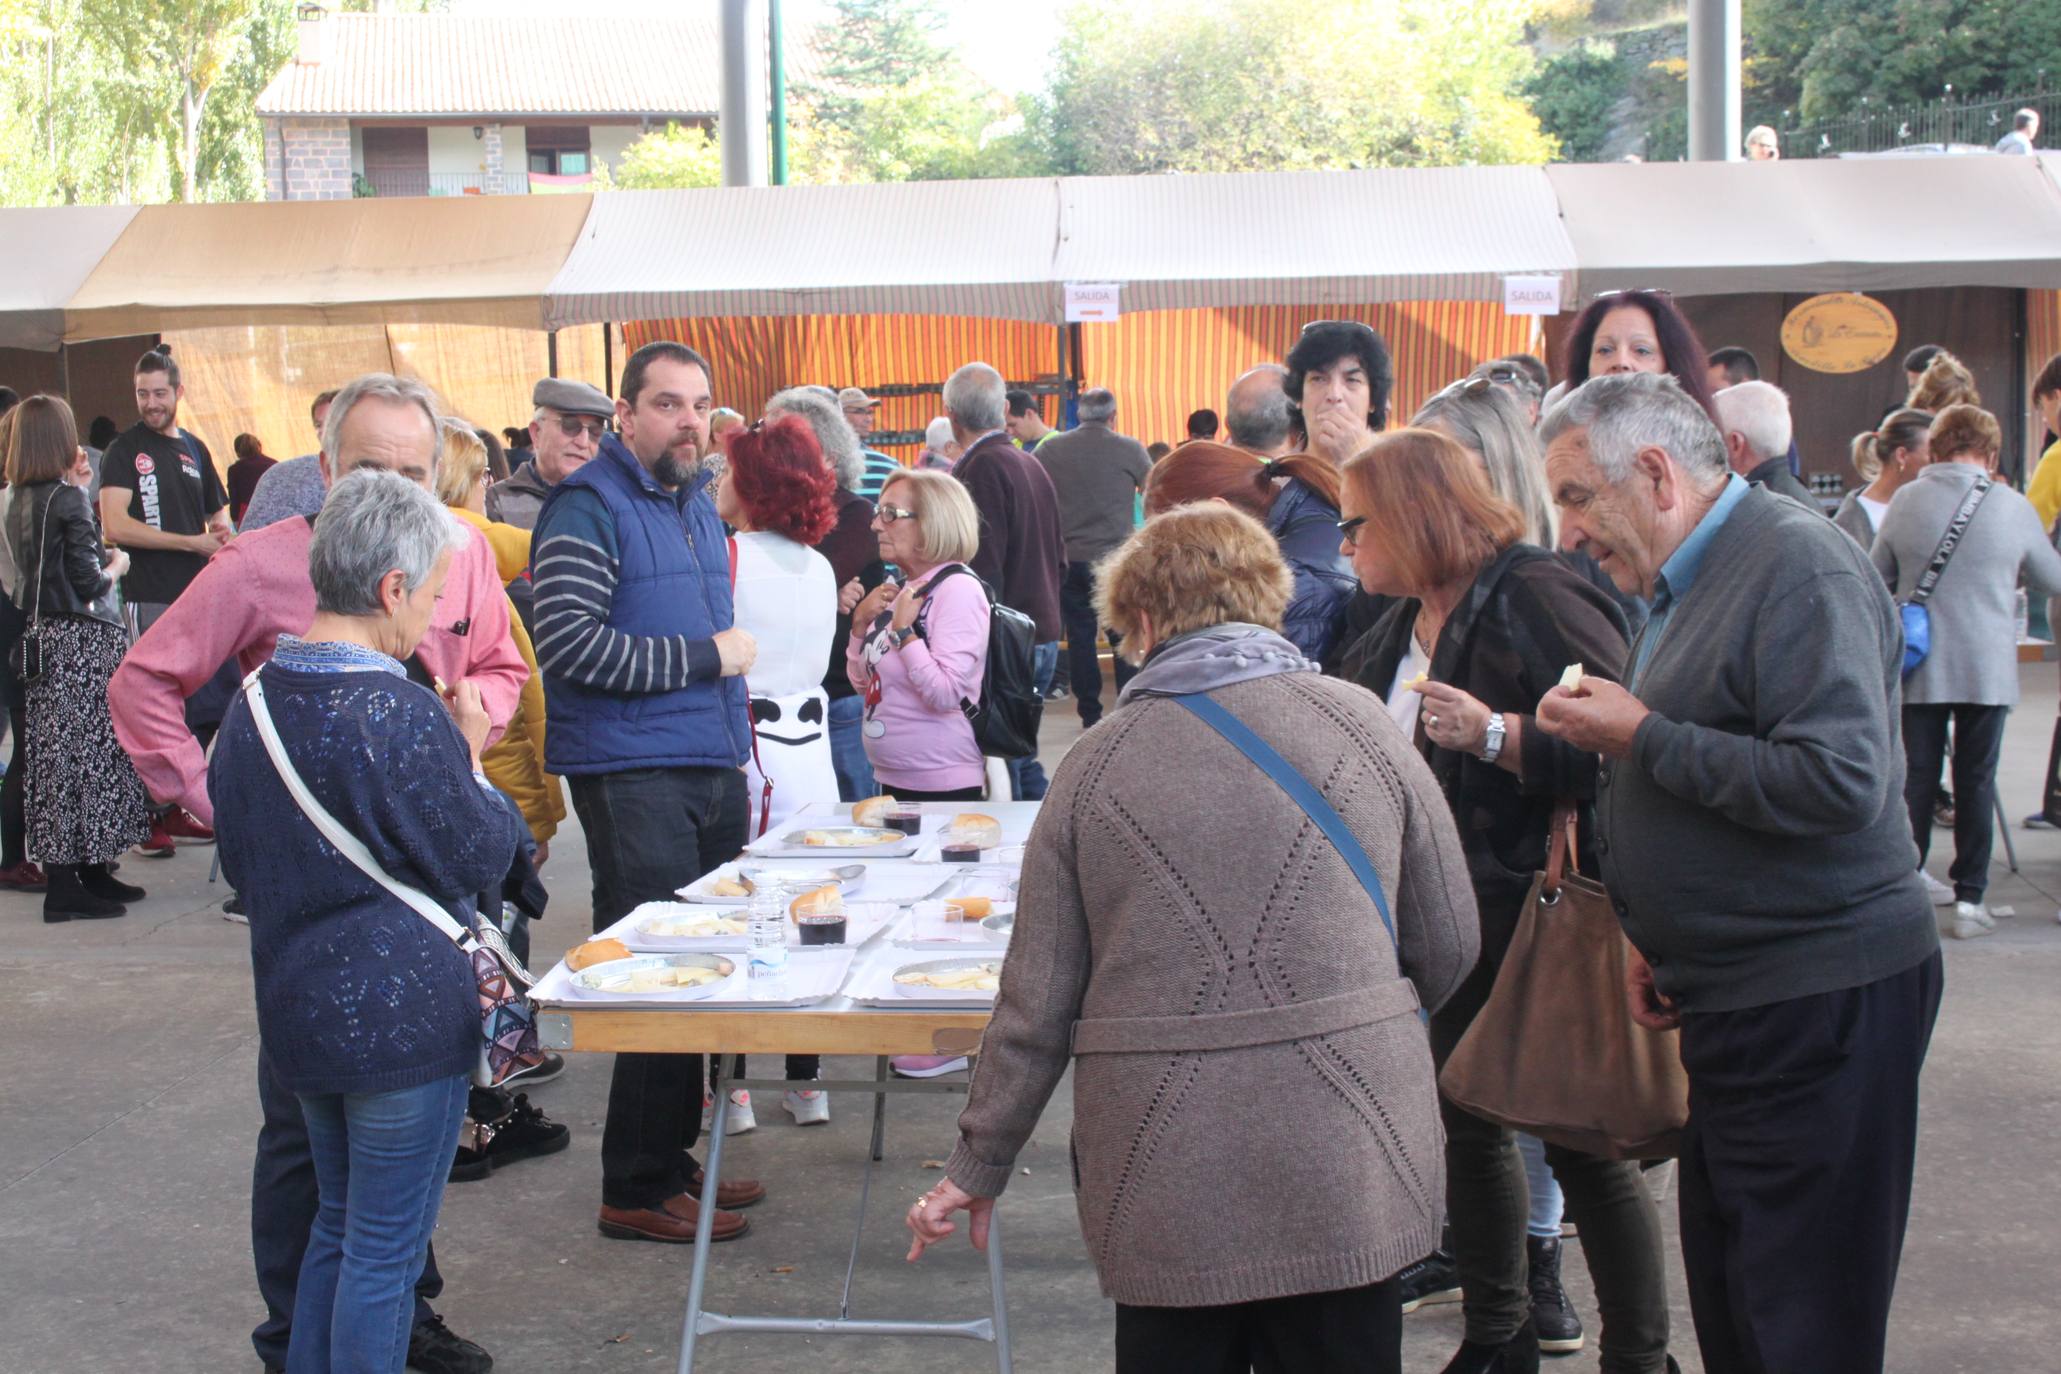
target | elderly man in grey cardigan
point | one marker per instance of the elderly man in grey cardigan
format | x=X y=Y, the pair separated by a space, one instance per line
x=1256 y=1147
x=1754 y=841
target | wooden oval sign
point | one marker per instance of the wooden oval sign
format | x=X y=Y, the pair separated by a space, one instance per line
x=1841 y=332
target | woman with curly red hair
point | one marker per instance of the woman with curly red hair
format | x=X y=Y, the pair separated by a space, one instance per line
x=777 y=493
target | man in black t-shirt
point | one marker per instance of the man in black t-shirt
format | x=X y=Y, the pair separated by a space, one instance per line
x=162 y=500
x=160 y=497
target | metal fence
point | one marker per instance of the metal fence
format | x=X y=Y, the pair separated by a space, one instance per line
x=389 y=182
x=1972 y=122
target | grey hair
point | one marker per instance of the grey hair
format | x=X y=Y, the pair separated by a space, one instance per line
x=834 y=434
x=1097 y=407
x=373 y=523
x=1628 y=411
x=937 y=434
x=1262 y=427
x=1758 y=412
x=974 y=397
x=384 y=386
x=1491 y=421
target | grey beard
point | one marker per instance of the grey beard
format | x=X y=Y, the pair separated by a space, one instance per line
x=672 y=470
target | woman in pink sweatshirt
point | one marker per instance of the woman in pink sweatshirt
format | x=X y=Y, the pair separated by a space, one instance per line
x=919 y=645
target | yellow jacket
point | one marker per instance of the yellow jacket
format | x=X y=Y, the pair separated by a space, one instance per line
x=2044 y=490
x=516 y=762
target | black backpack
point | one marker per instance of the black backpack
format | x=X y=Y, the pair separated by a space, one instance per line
x=1005 y=719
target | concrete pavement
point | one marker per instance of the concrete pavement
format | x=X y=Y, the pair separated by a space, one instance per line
x=128 y=1110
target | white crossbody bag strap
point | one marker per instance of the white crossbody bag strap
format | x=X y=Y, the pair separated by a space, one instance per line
x=346 y=843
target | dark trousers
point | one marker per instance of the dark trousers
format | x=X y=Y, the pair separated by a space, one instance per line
x=1084 y=671
x=1978 y=740
x=1796 y=1173
x=650 y=832
x=1487 y=1207
x=283 y=1201
x=1349 y=1331
x=1027 y=775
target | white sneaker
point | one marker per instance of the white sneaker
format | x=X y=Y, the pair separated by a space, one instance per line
x=808 y=1106
x=740 y=1119
x=1972 y=920
x=1942 y=894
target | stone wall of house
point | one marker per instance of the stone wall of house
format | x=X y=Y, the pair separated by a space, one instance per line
x=314 y=158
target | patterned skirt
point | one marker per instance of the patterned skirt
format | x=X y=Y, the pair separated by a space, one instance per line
x=85 y=803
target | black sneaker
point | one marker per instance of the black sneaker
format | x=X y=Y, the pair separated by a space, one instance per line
x=549 y=1068
x=524 y=1133
x=1430 y=1281
x=1518 y=1355
x=1559 y=1328
x=434 y=1348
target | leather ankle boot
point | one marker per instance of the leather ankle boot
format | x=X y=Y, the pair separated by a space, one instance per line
x=1518 y=1355
x=68 y=900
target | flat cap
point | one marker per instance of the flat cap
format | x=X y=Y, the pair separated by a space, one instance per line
x=572 y=398
x=852 y=398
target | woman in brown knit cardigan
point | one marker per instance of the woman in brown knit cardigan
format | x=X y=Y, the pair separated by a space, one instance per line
x=1188 y=935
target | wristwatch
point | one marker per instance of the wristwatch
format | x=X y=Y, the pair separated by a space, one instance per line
x=1493 y=745
x=903 y=635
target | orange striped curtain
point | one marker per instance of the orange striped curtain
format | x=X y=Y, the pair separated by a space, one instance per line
x=2042 y=341
x=1164 y=364
x=1161 y=364
x=755 y=356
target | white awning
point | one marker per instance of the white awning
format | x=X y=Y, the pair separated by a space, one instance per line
x=51 y=251
x=1311 y=238
x=1825 y=224
x=981 y=248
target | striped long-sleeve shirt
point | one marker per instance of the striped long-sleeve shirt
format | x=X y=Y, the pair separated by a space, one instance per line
x=879 y=467
x=575 y=565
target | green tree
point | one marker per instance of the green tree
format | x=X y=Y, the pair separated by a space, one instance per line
x=1574 y=94
x=1267 y=85
x=675 y=156
x=187 y=47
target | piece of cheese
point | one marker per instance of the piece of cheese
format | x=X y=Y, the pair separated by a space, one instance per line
x=1416 y=683
x=968 y=908
x=1571 y=679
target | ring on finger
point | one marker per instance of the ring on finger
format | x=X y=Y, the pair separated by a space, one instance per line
x=1432 y=721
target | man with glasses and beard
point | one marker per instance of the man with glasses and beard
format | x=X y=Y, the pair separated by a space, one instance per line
x=643 y=682
x=566 y=432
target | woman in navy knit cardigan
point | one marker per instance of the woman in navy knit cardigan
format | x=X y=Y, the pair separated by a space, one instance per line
x=369 y=1013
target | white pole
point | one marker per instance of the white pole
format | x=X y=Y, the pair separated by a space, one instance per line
x=741 y=124
x=1714 y=81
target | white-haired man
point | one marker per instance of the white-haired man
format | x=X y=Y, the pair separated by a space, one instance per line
x=1754 y=841
x=251 y=592
x=1022 y=552
x=2025 y=130
x=940 y=449
x=1758 y=430
x=566 y=433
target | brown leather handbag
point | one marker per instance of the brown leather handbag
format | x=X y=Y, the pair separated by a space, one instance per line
x=1555 y=1051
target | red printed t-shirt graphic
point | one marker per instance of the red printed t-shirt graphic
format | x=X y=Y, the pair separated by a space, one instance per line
x=173 y=487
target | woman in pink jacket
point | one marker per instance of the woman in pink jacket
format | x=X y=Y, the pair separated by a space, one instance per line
x=919 y=643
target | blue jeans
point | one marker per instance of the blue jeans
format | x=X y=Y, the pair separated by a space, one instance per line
x=1027 y=775
x=855 y=780
x=1084 y=672
x=1547 y=1202
x=381 y=1160
x=283 y=1202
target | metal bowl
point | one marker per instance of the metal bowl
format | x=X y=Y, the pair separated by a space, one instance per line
x=934 y=966
x=610 y=980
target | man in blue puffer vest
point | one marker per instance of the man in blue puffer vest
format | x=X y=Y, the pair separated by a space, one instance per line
x=643 y=683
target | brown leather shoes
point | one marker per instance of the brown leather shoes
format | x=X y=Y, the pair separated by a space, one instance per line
x=732 y=1194
x=672 y=1222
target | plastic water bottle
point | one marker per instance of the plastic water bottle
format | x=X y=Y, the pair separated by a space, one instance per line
x=767 y=926
x=2024 y=620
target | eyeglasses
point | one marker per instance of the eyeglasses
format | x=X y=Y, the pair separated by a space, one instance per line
x=1349 y=530
x=1469 y=386
x=573 y=426
x=1661 y=292
x=889 y=514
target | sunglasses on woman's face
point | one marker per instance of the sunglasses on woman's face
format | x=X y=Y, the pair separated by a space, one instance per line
x=889 y=514
x=1349 y=530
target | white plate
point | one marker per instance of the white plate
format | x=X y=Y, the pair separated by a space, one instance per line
x=847 y=877
x=605 y=982
x=647 y=927
x=919 y=992
x=863 y=920
x=892 y=844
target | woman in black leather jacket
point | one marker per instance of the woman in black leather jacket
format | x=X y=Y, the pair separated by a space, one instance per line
x=84 y=801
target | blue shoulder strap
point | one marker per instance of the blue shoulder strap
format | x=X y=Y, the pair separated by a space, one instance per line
x=1300 y=792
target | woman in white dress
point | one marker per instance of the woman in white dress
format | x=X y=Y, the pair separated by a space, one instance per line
x=778 y=495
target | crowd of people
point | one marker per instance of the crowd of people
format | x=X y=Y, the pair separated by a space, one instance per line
x=374 y=675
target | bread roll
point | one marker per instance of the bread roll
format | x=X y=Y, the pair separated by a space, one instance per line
x=822 y=901
x=595 y=952
x=973 y=828
x=873 y=811
x=968 y=908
